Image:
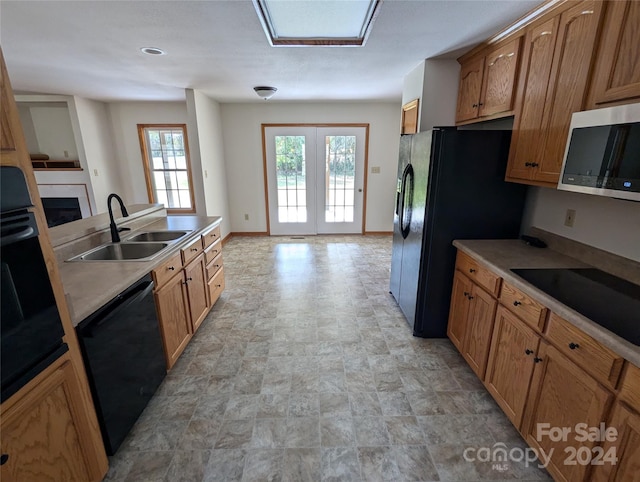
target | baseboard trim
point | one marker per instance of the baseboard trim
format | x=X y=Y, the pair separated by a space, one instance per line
x=378 y=233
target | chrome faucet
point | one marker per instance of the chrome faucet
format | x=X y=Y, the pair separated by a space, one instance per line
x=115 y=237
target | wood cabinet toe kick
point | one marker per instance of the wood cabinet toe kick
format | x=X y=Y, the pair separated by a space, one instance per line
x=543 y=371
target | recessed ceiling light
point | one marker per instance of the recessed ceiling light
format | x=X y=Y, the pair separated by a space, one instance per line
x=152 y=51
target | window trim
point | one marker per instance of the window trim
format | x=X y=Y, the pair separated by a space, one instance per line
x=147 y=168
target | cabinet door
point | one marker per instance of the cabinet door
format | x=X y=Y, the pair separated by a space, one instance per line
x=527 y=140
x=563 y=396
x=626 y=447
x=459 y=310
x=499 y=80
x=617 y=71
x=173 y=312
x=42 y=433
x=479 y=329
x=469 y=90
x=196 y=278
x=568 y=83
x=511 y=359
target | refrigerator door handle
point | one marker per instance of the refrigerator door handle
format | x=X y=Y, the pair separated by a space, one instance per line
x=407 y=176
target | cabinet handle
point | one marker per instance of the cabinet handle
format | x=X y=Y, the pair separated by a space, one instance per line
x=218 y=286
x=537 y=360
x=185 y=282
x=573 y=346
x=480 y=104
x=194 y=249
x=474 y=105
x=216 y=265
x=527 y=164
x=528 y=352
x=189 y=279
x=471 y=270
x=516 y=303
x=4 y=458
x=470 y=297
x=466 y=294
x=534 y=164
x=171 y=268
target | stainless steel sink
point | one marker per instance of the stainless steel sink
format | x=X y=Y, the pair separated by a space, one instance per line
x=122 y=252
x=153 y=236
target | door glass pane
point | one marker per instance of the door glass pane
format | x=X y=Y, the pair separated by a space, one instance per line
x=339 y=182
x=291 y=179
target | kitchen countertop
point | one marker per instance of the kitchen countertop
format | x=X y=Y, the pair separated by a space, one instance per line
x=505 y=254
x=88 y=285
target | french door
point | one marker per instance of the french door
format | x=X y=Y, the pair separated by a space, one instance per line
x=315 y=178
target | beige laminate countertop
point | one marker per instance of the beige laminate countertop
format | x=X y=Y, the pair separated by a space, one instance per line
x=90 y=284
x=505 y=254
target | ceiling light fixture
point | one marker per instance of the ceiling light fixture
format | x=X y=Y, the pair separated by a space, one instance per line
x=152 y=51
x=265 y=92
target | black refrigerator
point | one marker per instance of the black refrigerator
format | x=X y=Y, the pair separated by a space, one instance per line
x=450 y=186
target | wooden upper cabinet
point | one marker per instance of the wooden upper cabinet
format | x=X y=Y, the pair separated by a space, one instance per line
x=557 y=57
x=616 y=77
x=410 y=117
x=469 y=89
x=499 y=80
x=487 y=83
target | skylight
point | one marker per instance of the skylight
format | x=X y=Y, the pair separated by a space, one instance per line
x=317 y=22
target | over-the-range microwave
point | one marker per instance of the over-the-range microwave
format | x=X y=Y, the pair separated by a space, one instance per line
x=602 y=156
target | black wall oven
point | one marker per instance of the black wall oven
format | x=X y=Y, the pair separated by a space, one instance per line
x=30 y=326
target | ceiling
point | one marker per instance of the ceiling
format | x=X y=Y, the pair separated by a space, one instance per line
x=92 y=49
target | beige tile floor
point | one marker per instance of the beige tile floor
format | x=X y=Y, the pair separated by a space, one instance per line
x=306 y=370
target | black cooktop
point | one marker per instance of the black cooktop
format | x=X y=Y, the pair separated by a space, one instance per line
x=611 y=302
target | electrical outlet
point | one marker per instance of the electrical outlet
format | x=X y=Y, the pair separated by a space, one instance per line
x=375 y=170
x=246 y=217
x=570 y=217
x=95 y=172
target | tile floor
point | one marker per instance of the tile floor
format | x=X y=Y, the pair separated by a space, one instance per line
x=306 y=370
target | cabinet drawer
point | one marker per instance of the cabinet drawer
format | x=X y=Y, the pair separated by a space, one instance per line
x=630 y=386
x=212 y=251
x=191 y=251
x=211 y=237
x=529 y=310
x=478 y=273
x=214 y=266
x=216 y=286
x=167 y=270
x=600 y=362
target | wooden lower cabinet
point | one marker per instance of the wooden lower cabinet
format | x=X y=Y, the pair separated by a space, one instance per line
x=479 y=330
x=562 y=396
x=195 y=277
x=512 y=356
x=459 y=310
x=172 y=308
x=46 y=433
x=625 y=448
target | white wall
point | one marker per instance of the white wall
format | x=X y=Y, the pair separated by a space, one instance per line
x=435 y=84
x=609 y=224
x=28 y=128
x=99 y=149
x=124 y=119
x=241 y=127
x=54 y=134
x=207 y=156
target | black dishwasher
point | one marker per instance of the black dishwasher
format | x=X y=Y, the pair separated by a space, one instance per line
x=124 y=358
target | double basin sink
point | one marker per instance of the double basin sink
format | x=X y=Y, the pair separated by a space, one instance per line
x=139 y=247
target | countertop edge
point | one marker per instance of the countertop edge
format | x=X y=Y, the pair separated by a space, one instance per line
x=625 y=349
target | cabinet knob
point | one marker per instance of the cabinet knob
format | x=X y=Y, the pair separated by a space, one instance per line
x=470 y=297
x=534 y=164
x=184 y=282
x=218 y=286
x=189 y=279
x=466 y=294
x=474 y=105
x=480 y=104
x=516 y=303
x=194 y=249
x=537 y=360
x=471 y=270
x=573 y=346
x=171 y=268
x=527 y=164
x=4 y=458
x=528 y=352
